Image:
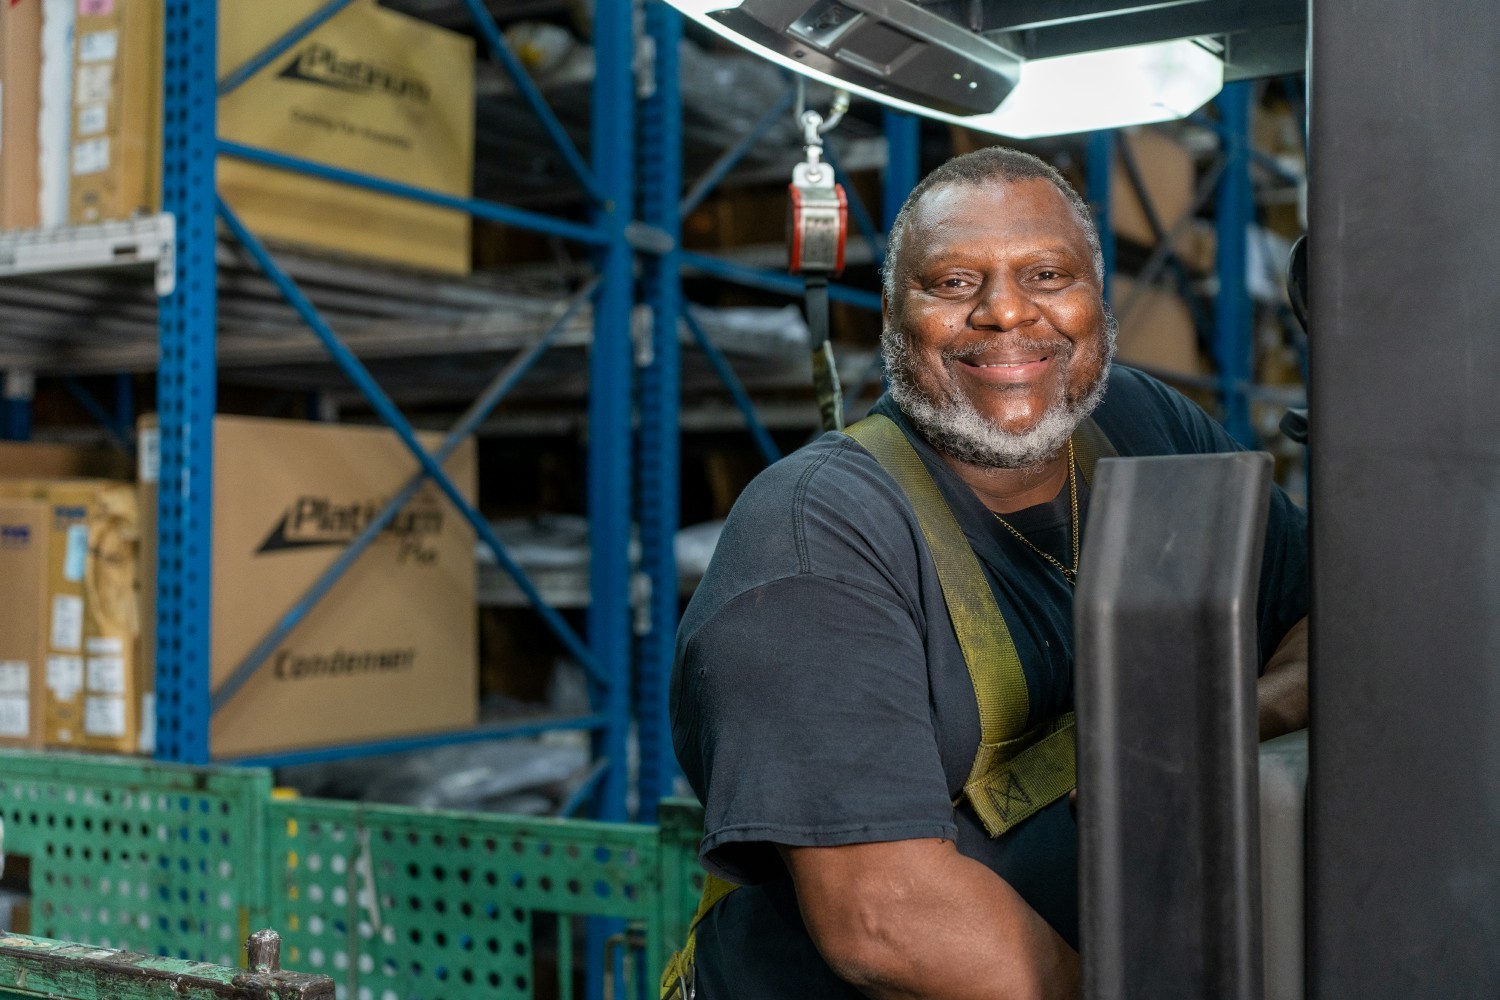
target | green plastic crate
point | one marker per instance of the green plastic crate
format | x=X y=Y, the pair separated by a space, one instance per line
x=393 y=903
x=148 y=857
x=396 y=903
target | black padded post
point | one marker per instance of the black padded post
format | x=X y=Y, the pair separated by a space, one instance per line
x=1404 y=840
x=1165 y=690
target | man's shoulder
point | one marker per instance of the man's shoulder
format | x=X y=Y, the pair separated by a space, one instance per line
x=830 y=472
x=827 y=510
x=1141 y=415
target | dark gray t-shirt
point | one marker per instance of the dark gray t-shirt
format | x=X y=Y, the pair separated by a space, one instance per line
x=820 y=697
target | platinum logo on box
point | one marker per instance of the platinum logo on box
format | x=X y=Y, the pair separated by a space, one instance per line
x=321 y=64
x=314 y=521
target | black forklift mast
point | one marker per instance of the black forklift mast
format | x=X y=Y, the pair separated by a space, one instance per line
x=1404 y=800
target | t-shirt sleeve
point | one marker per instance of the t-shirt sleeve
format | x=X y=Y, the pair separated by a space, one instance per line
x=805 y=720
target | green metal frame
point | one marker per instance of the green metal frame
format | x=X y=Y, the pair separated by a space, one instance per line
x=34 y=967
x=393 y=903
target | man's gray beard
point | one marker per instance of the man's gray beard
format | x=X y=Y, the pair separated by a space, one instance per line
x=957 y=429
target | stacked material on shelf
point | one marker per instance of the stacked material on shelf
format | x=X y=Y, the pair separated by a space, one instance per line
x=20 y=107
x=23 y=634
x=115 y=158
x=370 y=91
x=529 y=776
x=81 y=85
x=71 y=589
x=391 y=649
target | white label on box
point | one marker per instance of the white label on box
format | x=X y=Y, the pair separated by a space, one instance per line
x=145 y=741
x=106 y=674
x=106 y=645
x=93 y=119
x=15 y=716
x=76 y=555
x=104 y=716
x=98 y=46
x=67 y=622
x=93 y=84
x=90 y=156
x=148 y=455
x=15 y=677
x=65 y=676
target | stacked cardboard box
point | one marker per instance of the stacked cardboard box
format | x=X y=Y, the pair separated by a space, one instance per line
x=370 y=91
x=115 y=158
x=20 y=108
x=70 y=589
x=392 y=649
x=23 y=634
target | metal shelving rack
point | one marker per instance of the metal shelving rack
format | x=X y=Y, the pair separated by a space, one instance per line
x=634 y=419
x=188 y=370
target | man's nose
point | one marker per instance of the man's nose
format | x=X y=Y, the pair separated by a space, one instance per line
x=1003 y=304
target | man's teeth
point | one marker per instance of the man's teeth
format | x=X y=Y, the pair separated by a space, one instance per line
x=1012 y=364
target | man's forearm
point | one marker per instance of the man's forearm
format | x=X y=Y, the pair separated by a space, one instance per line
x=1281 y=692
x=915 y=919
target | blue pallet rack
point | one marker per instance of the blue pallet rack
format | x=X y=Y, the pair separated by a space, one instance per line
x=187 y=384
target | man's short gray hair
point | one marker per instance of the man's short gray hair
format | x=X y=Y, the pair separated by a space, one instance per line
x=992 y=163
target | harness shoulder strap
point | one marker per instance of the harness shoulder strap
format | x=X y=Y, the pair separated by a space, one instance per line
x=1016 y=771
x=989 y=651
x=1090 y=445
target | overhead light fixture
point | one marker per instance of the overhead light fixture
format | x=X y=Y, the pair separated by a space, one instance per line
x=900 y=55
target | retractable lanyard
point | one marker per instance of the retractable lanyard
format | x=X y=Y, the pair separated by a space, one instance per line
x=818 y=228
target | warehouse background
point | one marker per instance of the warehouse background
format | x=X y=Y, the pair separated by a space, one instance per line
x=542 y=241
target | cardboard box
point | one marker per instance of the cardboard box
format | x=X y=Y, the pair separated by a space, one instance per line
x=1156 y=328
x=95 y=682
x=20 y=110
x=392 y=649
x=371 y=91
x=23 y=628
x=115 y=155
x=36 y=460
x=1169 y=176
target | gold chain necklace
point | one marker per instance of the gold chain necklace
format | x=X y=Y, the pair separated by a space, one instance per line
x=1071 y=575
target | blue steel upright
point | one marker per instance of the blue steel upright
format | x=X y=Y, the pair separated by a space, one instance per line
x=611 y=367
x=903 y=164
x=1234 y=315
x=658 y=454
x=1100 y=176
x=186 y=385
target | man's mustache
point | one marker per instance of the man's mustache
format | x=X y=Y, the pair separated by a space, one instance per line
x=1059 y=347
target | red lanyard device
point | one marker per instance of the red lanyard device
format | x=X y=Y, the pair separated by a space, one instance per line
x=818 y=230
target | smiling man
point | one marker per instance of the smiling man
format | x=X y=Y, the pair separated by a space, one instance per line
x=823 y=705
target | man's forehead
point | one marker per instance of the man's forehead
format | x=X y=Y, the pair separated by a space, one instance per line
x=1023 y=197
x=1030 y=204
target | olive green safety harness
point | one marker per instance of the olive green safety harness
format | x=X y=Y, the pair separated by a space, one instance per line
x=1016 y=771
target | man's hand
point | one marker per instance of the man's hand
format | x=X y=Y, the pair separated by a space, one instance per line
x=1281 y=692
x=914 y=918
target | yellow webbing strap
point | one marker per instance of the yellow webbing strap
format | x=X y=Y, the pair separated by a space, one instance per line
x=1016 y=771
x=1090 y=445
x=677 y=977
x=994 y=666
